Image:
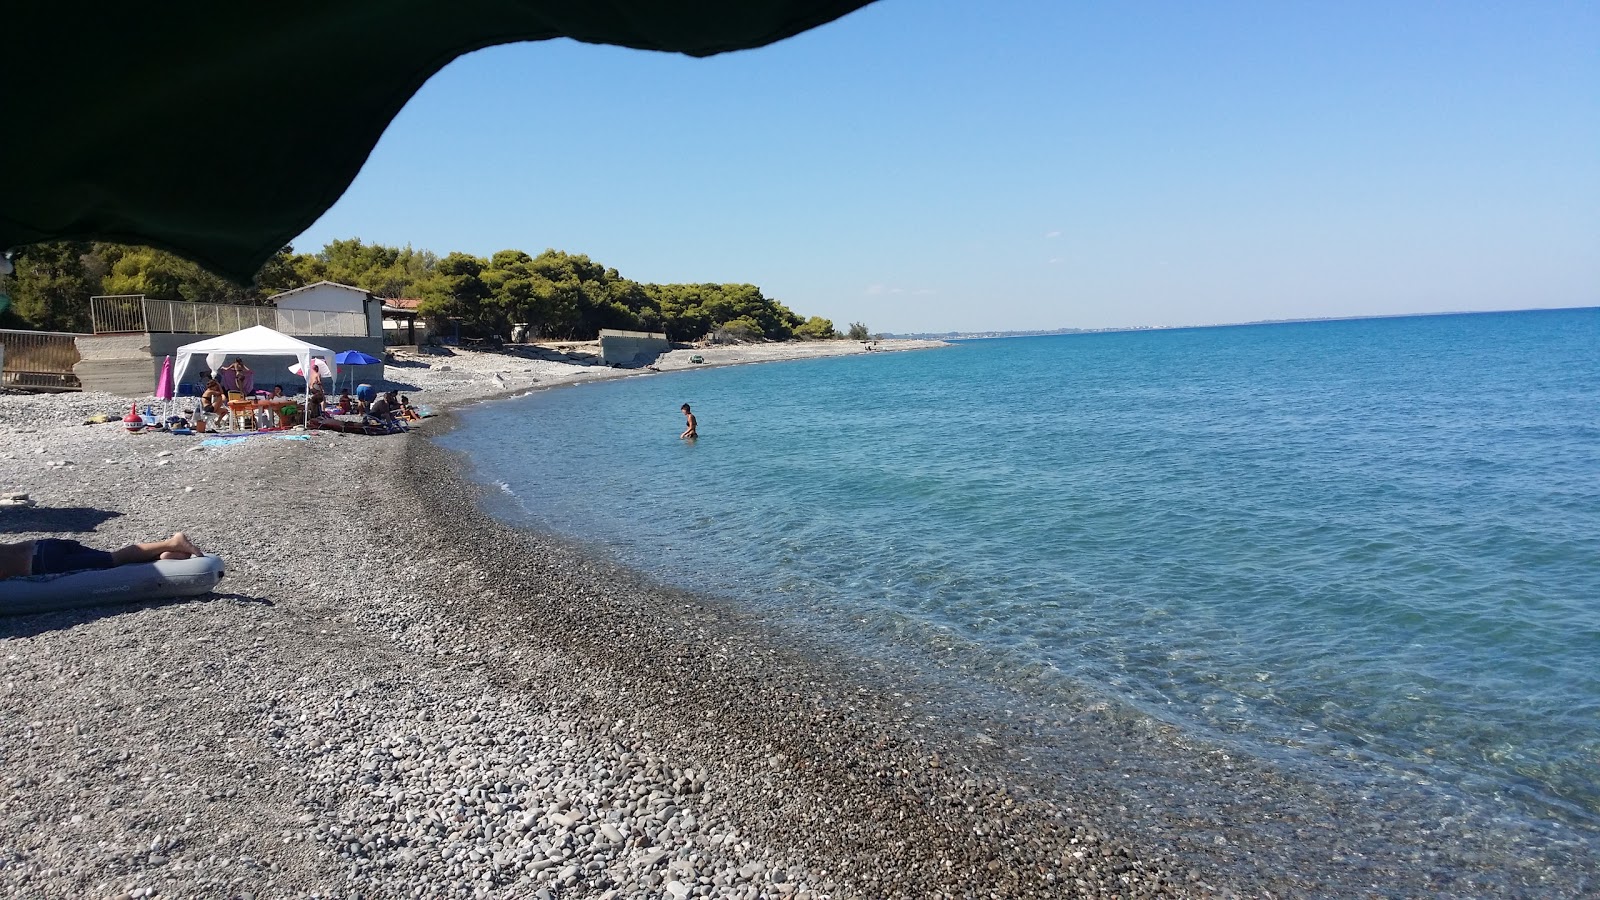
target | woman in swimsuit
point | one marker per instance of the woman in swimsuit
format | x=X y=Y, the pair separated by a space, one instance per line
x=214 y=399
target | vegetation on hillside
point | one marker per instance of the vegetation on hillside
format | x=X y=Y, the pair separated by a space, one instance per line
x=560 y=295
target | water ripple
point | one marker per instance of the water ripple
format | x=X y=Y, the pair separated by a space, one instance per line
x=1351 y=538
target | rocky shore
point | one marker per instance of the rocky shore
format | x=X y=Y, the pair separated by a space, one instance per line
x=395 y=696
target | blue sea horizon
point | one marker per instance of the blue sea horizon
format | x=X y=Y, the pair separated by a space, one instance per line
x=1365 y=541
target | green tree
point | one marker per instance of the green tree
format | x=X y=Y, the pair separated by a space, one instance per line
x=455 y=291
x=162 y=275
x=385 y=271
x=743 y=328
x=817 y=328
x=858 y=332
x=279 y=274
x=143 y=270
x=561 y=294
x=51 y=286
x=682 y=316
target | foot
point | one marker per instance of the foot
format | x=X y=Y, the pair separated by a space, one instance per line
x=180 y=547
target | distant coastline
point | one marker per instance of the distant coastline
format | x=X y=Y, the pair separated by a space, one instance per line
x=983 y=335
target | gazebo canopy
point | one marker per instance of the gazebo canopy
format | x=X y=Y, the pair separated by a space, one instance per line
x=256 y=341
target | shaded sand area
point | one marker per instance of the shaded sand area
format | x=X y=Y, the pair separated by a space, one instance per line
x=396 y=696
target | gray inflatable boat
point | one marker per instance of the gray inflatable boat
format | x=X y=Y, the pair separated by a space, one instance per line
x=159 y=580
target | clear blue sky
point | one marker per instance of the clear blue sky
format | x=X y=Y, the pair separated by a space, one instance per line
x=930 y=165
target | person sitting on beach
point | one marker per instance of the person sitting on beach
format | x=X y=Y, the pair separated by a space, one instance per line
x=691 y=426
x=407 y=411
x=214 y=399
x=314 y=404
x=55 y=556
x=383 y=408
x=348 y=405
x=277 y=392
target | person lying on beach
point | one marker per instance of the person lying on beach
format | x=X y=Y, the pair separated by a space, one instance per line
x=54 y=556
x=691 y=426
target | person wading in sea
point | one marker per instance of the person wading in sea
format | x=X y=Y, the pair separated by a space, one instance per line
x=691 y=428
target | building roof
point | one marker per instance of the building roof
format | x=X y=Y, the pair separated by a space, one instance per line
x=300 y=290
x=403 y=308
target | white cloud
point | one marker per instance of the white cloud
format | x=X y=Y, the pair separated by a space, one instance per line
x=1052 y=234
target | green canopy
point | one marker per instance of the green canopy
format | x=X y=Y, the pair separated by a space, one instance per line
x=220 y=131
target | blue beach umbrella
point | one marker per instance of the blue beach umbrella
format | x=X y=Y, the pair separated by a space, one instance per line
x=354 y=358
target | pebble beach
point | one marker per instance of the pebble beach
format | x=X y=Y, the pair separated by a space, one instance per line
x=393 y=695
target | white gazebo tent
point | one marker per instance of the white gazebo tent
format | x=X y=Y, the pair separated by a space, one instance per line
x=257 y=341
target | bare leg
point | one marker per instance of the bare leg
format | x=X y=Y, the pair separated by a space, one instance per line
x=16 y=560
x=176 y=547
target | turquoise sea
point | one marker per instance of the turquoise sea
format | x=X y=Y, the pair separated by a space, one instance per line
x=1370 y=542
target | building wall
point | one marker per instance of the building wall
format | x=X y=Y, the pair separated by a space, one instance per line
x=631 y=348
x=336 y=298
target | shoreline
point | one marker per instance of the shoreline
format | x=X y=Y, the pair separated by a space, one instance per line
x=432 y=697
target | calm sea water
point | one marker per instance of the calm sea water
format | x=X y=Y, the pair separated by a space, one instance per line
x=1376 y=539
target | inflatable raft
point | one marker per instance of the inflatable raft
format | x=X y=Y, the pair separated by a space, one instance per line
x=159 y=580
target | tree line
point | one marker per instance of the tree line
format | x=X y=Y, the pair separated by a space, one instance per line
x=559 y=295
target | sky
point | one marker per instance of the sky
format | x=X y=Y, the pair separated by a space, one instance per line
x=931 y=166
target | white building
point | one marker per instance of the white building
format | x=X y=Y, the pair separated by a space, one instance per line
x=331 y=302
